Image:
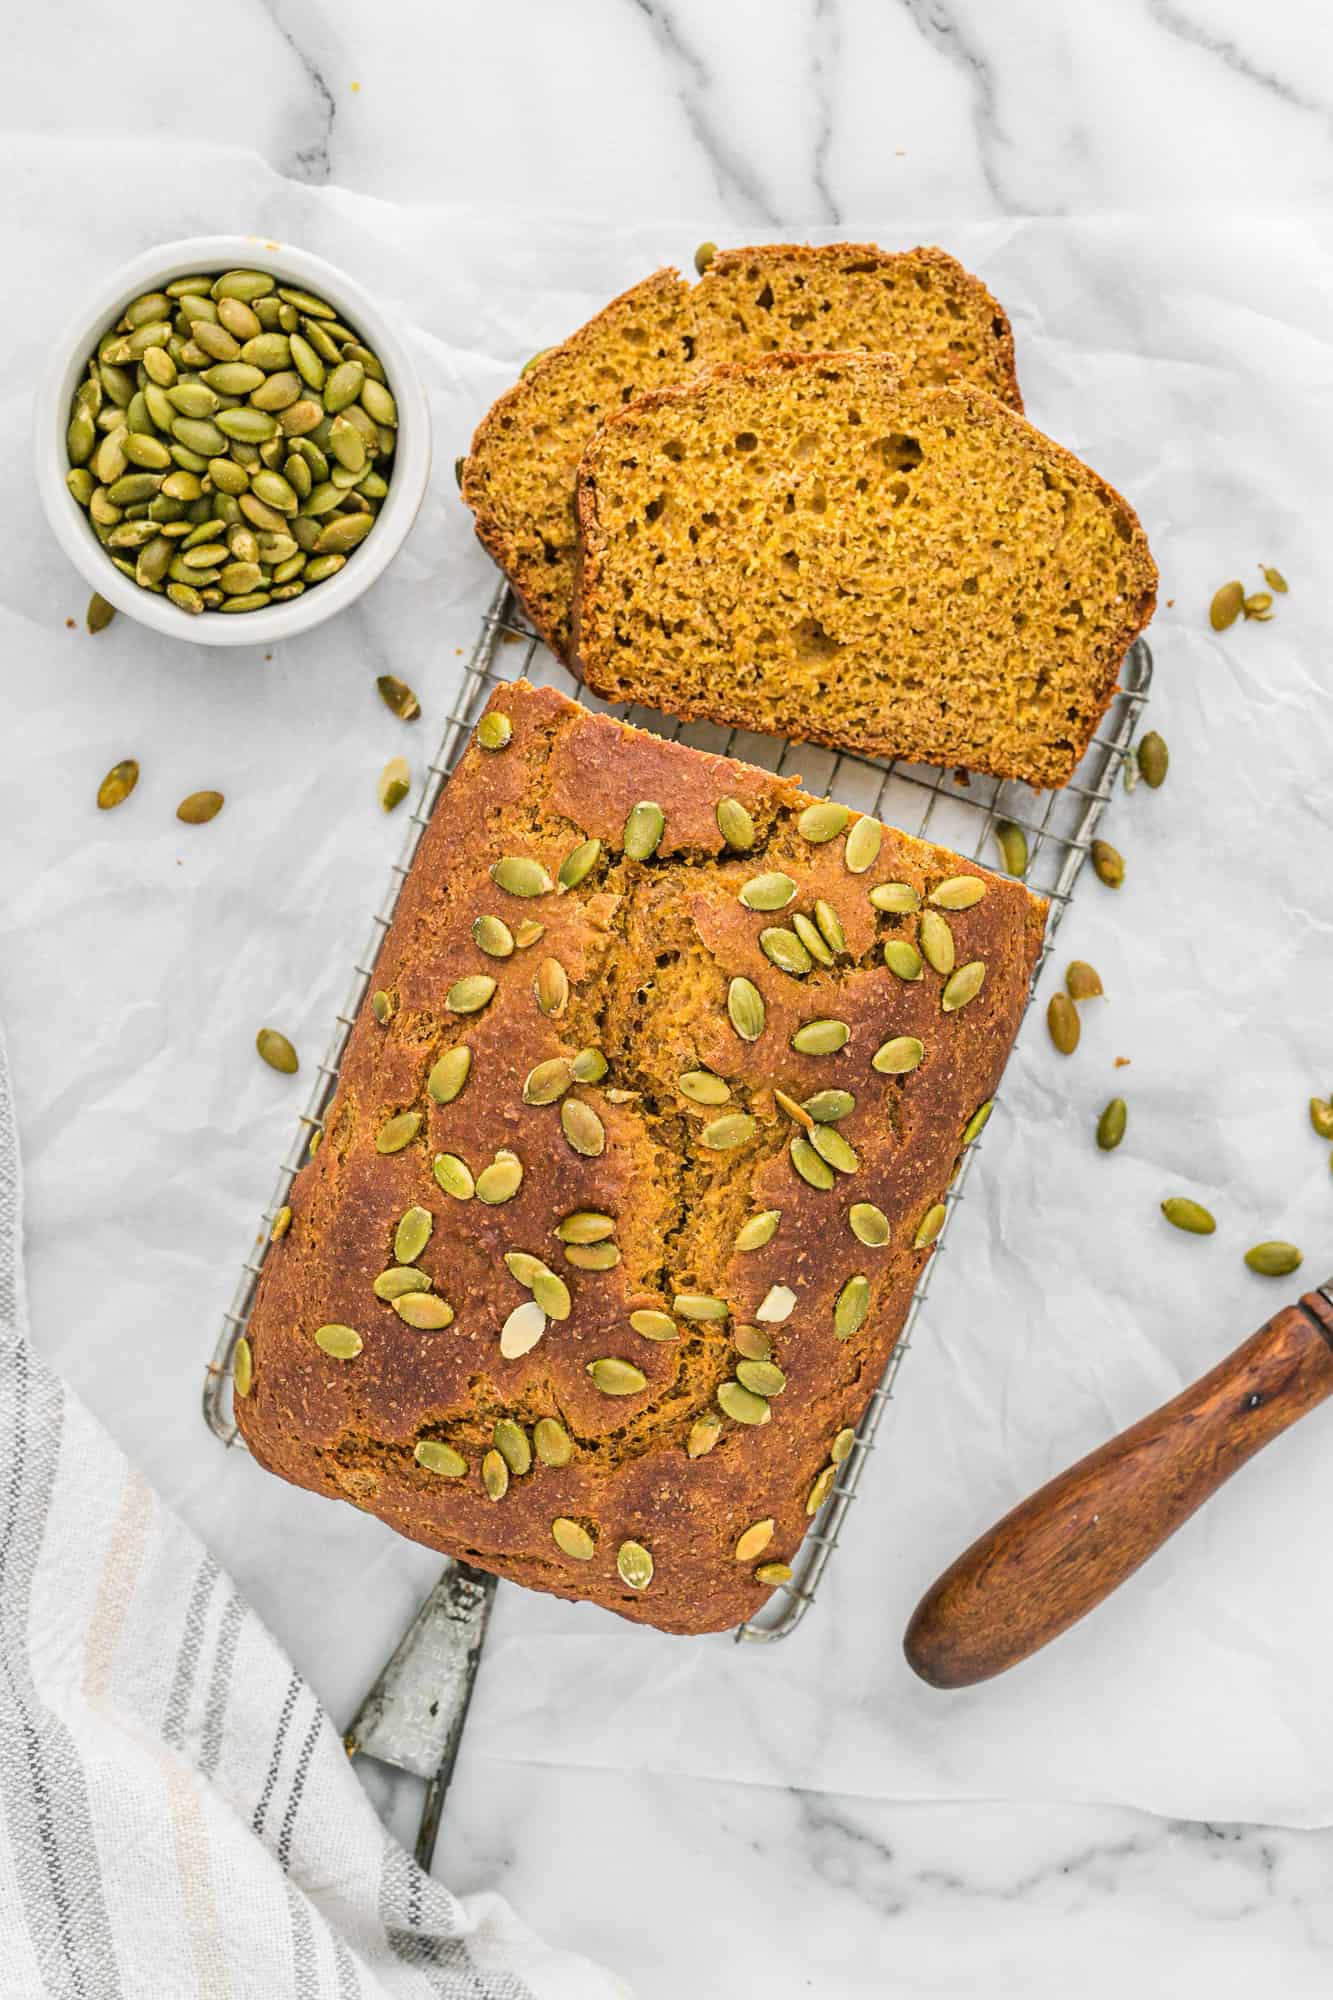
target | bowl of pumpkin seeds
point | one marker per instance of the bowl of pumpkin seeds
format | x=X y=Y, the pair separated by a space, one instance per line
x=232 y=441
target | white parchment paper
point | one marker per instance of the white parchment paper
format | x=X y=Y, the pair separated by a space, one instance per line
x=1190 y=364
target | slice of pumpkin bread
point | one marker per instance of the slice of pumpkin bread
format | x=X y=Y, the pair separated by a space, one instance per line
x=920 y=305
x=809 y=546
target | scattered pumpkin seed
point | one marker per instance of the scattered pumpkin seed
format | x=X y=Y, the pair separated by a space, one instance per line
x=552 y=1442
x=585 y=1225
x=100 y=613
x=929 y=1226
x=767 y=892
x=1062 y=1023
x=343 y=1343
x=522 y=1330
x=820 y=1038
x=450 y=1073
x=937 y=946
x=762 y=1378
x=412 y=1234
x=579 y=863
x=1154 y=759
x=583 y=1129
x=703 y=1434
x=398 y=1279
x=735 y=825
x=454 y=1176
x=830 y=1145
x=470 y=994
x=243 y=1367
x=773 y=1573
x=495 y=731
x=381 y=1006
x=527 y=931
x=976 y=1124
x=898 y=898
x=702 y=1087
x=277 y=1051
x=282 y=1222
x=812 y=1169
x=822 y=821
x=635 y=1565
x=842 y=1446
x=494 y=1475
x=1111 y=1125
x=615 y=1377
x=796 y=1112
x=395 y=782
x=821 y=1489
x=501 y=1180
x=1083 y=981
x=753 y=1540
x=897 y=1056
x=1321 y=1117
x=1275 y=579
x=869 y=1224
x=1183 y=1213
x=517 y=875
x=735 y=1128
x=903 y=959
x=752 y=1342
x=959 y=892
x=741 y=1404
x=1108 y=863
x=963 y=986
x=589 y=1066
x=643 y=830
x=809 y=934
x=1013 y=845
x=698 y=1305
x=759 y=1230
x=861 y=848
x=777 y=1305
x=493 y=936
x=117 y=785
x=592 y=1256
x=571 y=1537
x=1225 y=608
x=826 y=1107
x=745 y=1008
x=551 y=987
x=424 y=1311
x=439 y=1458
x=654 y=1325
x=397 y=1132
x=1259 y=604
x=851 y=1307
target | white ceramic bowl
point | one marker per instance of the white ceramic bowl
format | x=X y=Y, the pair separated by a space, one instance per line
x=407 y=478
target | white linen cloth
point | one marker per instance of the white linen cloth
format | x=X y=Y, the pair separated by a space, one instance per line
x=1188 y=361
x=177 y=1813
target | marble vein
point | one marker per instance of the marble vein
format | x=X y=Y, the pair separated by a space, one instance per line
x=1198 y=35
x=695 y=81
x=949 y=31
x=310 y=162
x=825 y=59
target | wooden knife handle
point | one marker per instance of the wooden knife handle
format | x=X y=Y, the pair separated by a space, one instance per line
x=1046 y=1564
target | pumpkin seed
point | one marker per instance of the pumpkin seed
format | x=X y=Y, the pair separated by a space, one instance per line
x=735 y=825
x=551 y=1441
x=1062 y=1022
x=1111 y=1125
x=449 y=1074
x=501 y=1180
x=830 y=1145
x=812 y=938
x=589 y=1066
x=703 y=1434
x=821 y=1489
x=903 y=959
x=826 y=1107
x=1082 y=981
x=1258 y=604
x=745 y=1009
x=1321 y=1117
x=1154 y=759
x=394 y=784
x=654 y=1325
x=454 y=1176
x=439 y=1458
x=1274 y=579
x=777 y=1305
x=593 y=1256
x=583 y=1129
x=635 y=1565
x=277 y=1051
x=573 y=1539
x=398 y=697
x=522 y=1330
x=494 y=1475
x=470 y=994
x=869 y=1224
x=820 y=1038
x=898 y=1056
x=811 y=1168
x=243 y=1367
x=851 y=1307
x=759 y=1230
x=1108 y=863
x=767 y=892
x=199 y=808
x=861 y=849
x=343 y=1343
x=519 y=876
x=702 y=1087
x=976 y=1124
x=1191 y=1216
x=753 y=1343
x=796 y=1112
x=937 y=944
x=1013 y=845
x=493 y=936
x=753 y=1541
x=120 y=780
x=822 y=821
x=929 y=1226
x=615 y=1377
x=698 y=1305
x=424 y=1311
x=704 y=256
x=398 y=1279
x=830 y=928
x=551 y=1292
x=643 y=830
x=551 y=987
x=762 y=1378
x=585 y=1225
x=527 y=931
x=412 y=1234
x=579 y=863
x=1225 y=608
x=547 y=1081
x=741 y=1404
x=282 y=1222
x=963 y=986
x=397 y=1132
x=773 y=1573
x=959 y=892
x=724 y=1134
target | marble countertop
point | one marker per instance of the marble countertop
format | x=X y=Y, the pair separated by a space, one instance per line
x=760 y=119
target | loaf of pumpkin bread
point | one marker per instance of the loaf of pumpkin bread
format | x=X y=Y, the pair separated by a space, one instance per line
x=919 y=305
x=637 y=1152
x=810 y=546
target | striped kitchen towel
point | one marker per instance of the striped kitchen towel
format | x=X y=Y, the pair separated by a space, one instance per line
x=177 y=1815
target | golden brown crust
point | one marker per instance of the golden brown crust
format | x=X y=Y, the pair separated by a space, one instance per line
x=649 y=949
x=862 y=695
x=519 y=477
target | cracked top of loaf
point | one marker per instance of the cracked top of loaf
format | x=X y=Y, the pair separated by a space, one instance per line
x=626 y=1184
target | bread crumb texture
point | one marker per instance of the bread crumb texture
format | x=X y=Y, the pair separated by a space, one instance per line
x=919 y=305
x=656 y=1243
x=806 y=546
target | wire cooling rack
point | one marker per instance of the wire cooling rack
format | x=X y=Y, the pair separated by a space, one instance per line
x=953 y=809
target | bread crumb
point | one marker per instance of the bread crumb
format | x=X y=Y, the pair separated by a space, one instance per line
x=1122 y=1062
